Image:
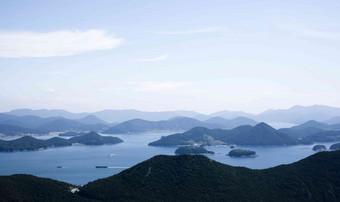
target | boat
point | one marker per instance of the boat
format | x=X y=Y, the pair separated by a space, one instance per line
x=59 y=167
x=101 y=166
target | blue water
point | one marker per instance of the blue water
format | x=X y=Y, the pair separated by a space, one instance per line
x=79 y=161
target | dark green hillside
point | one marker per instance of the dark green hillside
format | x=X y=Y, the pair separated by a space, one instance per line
x=261 y=134
x=31 y=143
x=198 y=178
x=94 y=138
x=198 y=135
x=29 y=188
x=241 y=153
x=192 y=178
x=335 y=146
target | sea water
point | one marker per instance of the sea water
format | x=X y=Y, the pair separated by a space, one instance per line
x=79 y=162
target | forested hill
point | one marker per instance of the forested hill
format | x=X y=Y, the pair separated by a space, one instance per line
x=261 y=134
x=198 y=178
x=28 y=143
x=192 y=178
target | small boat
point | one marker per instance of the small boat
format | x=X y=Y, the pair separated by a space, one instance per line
x=59 y=167
x=101 y=166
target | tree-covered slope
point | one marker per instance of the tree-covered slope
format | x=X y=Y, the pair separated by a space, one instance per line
x=198 y=178
x=31 y=143
x=28 y=188
x=192 y=178
x=94 y=138
x=261 y=134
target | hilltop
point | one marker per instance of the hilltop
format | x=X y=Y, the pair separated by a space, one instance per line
x=261 y=134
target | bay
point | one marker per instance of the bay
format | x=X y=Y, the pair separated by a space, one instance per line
x=78 y=162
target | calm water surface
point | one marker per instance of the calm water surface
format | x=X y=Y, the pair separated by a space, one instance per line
x=79 y=161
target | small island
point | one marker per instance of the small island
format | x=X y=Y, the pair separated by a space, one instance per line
x=335 y=146
x=319 y=147
x=242 y=153
x=192 y=150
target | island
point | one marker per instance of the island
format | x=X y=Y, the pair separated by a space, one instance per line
x=71 y=134
x=241 y=153
x=192 y=150
x=335 y=146
x=319 y=147
x=260 y=135
x=28 y=143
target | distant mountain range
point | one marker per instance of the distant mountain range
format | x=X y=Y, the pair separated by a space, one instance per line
x=314 y=131
x=261 y=134
x=296 y=114
x=176 y=124
x=191 y=178
x=19 y=125
x=299 y=114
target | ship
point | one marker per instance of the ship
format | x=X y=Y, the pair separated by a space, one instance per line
x=101 y=166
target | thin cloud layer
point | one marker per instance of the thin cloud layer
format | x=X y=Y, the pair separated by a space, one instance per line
x=195 y=31
x=50 y=44
x=162 y=57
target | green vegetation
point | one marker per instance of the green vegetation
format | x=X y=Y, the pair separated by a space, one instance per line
x=27 y=143
x=192 y=150
x=261 y=134
x=93 y=138
x=335 y=146
x=31 y=143
x=319 y=147
x=192 y=178
x=198 y=178
x=31 y=189
x=241 y=153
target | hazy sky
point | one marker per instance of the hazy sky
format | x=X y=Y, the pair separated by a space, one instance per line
x=149 y=55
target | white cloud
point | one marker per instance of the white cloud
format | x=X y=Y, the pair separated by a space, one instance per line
x=195 y=31
x=162 y=57
x=16 y=44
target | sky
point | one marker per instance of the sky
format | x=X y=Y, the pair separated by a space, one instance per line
x=205 y=56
